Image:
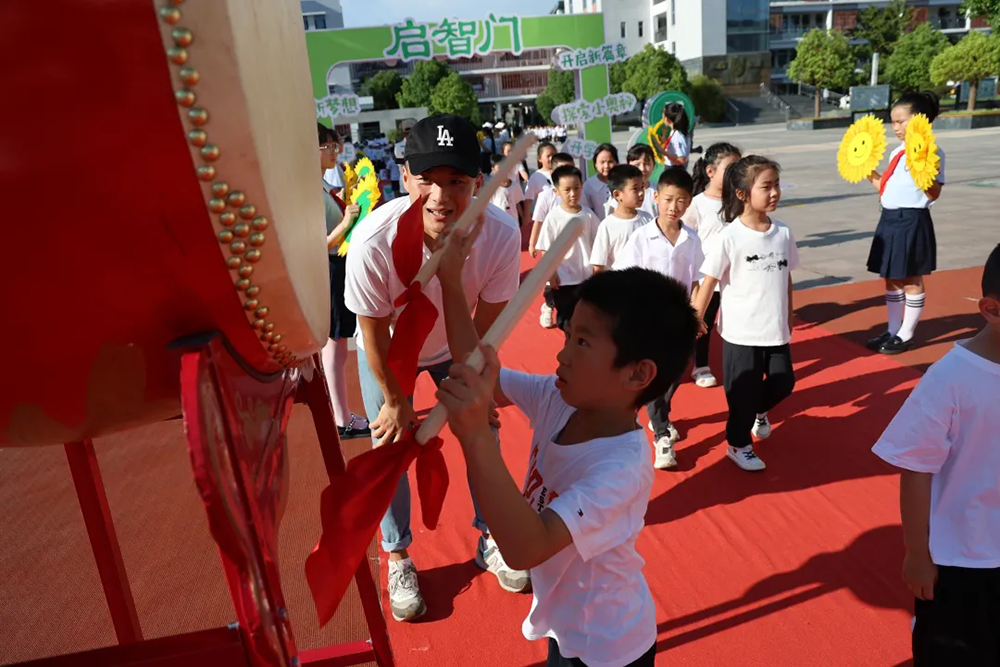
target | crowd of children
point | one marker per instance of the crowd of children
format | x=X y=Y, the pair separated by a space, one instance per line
x=708 y=253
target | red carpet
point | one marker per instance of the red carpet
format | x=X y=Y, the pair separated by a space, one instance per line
x=798 y=565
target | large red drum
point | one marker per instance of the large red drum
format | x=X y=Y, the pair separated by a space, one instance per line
x=160 y=176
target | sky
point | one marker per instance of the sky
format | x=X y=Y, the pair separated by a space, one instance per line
x=360 y=13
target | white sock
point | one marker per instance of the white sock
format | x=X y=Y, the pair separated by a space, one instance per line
x=335 y=370
x=895 y=302
x=914 y=306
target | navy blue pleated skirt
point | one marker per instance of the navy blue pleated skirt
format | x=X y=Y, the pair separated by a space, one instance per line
x=342 y=321
x=904 y=245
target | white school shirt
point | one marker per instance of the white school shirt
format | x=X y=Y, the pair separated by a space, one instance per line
x=506 y=200
x=595 y=194
x=648 y=204
x=704 y=215
x=547 y=200
x=334 y=177
x=753 y=269
x=334 y=216
x=900 y=190
x=536 y=183
x=949 y=426
x=648 y=248
x=612 y=235
x=491 y=272
x=575 y=267
x=679 y=147
x=591 y=597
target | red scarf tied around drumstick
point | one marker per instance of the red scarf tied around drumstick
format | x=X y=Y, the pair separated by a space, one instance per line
x=352 y=507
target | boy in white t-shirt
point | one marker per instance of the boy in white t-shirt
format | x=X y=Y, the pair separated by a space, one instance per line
x=627 y=189
x=575 y=521
x=673 y=249
x=544 y=201
x=508 y=195
x=575 y=266
x=946 y=441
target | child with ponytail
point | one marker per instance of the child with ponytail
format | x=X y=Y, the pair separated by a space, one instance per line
x=677 y=148
x=904 y=249
x=705 y=216
x=752 y=262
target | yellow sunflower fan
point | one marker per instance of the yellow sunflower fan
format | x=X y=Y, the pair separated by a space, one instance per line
x=365 y=194
x=922 y=159
x=861 y=150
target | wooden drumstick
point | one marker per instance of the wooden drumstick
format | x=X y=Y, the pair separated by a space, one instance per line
x=471 y=215
x=508 y=319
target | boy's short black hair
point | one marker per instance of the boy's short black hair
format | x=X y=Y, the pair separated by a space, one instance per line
x=326 y=134
x=640 y=151
x=991 y=274
x=620 y=175
x=496 y=159
x=565 y=171
x=676 y=176
x=563 y=158
x=665 y=335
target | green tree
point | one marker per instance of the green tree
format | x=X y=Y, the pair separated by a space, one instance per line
x=988 y=9
x=824 y=60
x=561 y=88
x=881 y=28
x=908 y=68
x=384 y=87
x=709 y=102
x=455 y=95
x=652 y=71
x=974 y=58
x=616 y=76
x=418 y=87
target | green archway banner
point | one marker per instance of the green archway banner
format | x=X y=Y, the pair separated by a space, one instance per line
x=451 y=38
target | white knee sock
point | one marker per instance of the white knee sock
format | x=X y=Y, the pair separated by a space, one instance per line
x=334 y=367
x=895 y=301
x=914 y=306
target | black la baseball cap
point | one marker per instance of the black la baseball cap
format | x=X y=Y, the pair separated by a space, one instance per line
x=443 y=140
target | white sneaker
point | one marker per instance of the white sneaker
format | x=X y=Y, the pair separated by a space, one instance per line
x=672 y=432
x=547 y=318
x=703 y=377
x=665 y=457
x=405 y=599
x=745 y=458
x=489 y=558
x=761 y=427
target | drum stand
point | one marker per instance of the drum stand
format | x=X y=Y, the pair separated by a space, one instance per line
x=235 y=422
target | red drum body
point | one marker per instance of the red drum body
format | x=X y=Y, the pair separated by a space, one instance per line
x=159 y=176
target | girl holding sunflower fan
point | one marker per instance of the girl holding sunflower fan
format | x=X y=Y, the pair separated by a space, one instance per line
x=904 y=249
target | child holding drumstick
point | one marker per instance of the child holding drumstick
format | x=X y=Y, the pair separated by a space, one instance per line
x=576 y=520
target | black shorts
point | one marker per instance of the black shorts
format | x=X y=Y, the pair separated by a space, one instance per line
x=556 y=659
x=343 y=322
x=904 y=245
x=961 y=625
x=564 y=299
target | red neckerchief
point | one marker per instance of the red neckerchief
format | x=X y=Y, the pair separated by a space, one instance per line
x=419 y=314
x=888 y=172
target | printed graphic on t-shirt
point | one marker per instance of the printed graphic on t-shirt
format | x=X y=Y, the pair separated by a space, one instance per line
x=772 y=261
x=538 y=495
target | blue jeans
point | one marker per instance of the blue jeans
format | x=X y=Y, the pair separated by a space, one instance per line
x=395 y=525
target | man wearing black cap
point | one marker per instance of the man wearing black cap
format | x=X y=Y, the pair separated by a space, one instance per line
x=441 y=174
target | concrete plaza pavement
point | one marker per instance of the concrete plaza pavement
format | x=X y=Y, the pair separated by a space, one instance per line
x=834 y=221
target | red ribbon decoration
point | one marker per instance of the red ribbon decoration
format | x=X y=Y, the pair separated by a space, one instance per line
x=889 y=170
x=352 y=508
x=417 y=319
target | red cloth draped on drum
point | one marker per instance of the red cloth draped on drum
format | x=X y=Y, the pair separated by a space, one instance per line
x=352 y=507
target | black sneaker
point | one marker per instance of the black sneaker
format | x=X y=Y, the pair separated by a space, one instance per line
x=876 y=343
x=895 y=345
x=354 y=428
